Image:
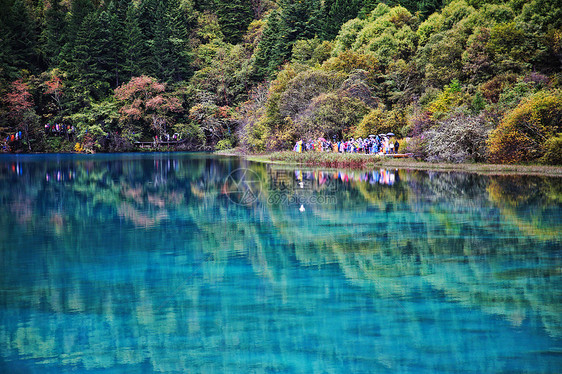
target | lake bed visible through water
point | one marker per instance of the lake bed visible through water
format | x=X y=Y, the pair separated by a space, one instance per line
x=178 y=262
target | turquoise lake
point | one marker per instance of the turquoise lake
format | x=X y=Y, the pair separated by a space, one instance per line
x=194 y=263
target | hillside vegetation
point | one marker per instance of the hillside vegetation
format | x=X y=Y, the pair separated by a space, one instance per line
x=465 y=81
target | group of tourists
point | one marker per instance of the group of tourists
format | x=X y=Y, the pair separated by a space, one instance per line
x=55 y=129
x=166 y=138
x=58 y=129
x=374 y=144
x=14 y=137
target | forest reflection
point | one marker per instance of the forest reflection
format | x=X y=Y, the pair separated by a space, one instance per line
x=123 y=254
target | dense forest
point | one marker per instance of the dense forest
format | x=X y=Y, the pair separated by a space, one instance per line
x=461 y=80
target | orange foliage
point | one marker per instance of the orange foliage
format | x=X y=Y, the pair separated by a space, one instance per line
x=19 y=99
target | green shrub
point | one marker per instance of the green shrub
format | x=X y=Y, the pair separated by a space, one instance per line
x=303 y=50
x=523 y=133
x=493 y=88
x=223 y=145
x=331 y=115
x=449 y=98
x=553 y=151
x=303 y=88
x=380 y=121
x=190 y=131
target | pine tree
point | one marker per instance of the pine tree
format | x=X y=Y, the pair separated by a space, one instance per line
x=293 y=21
x=116 y=40
x=427 y=7
x=300 y=19
x=147 y=18
x=234 y=17
x=22 y=37
x=267 y=59
x=109 y=46
x=8 y=72
x=170 y=50
x=335 y=13
x=180 y=52
x=367 y=7
x=79 y=10
x=160 y=43
x=134 y=42
x=204 y=5
x=88 y=67
x=53 y=34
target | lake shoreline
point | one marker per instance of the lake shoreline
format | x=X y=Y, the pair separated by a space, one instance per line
x=361 y=161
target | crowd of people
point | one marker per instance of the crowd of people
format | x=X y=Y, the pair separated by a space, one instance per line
x=166 y=138
x=374 y=144
x=59 y=129
x=14 y=137
x=55 y=129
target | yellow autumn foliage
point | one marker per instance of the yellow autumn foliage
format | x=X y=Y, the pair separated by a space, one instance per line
x=524 y=132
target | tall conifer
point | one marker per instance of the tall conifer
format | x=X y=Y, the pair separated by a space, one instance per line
x=266 y=58
x=22 y=37
x=170 y=50
x=134 y=49
x=335 y=13
x=234 y=17
x=88 y=64
x=54 y=35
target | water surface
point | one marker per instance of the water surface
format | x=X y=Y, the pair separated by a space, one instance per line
x=197 y=263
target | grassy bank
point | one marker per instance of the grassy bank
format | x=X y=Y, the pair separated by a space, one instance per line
x=360 y=161
x=324 y=159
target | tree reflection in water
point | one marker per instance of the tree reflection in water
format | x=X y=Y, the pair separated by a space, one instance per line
x=144 y=260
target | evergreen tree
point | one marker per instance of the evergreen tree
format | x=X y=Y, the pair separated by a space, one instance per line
x=300 y=20
x=134 y=42
x=164 y=30
x=8 y=71
x=335 y=13
x=204 y=5
x=267 y=58
x=20 y=28
x=294 y=20
x=424 y=7
x=53 y=35
x=367 y=8
x=234 y=17
x=110 y=46
x=79 y=9
x=427 y=7
x=160 y=43
x=88 y=64
x=147 y=18
x=170 y=50
x=180 y=53
x=116 y=40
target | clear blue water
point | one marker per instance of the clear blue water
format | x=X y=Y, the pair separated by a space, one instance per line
x=179 y=263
